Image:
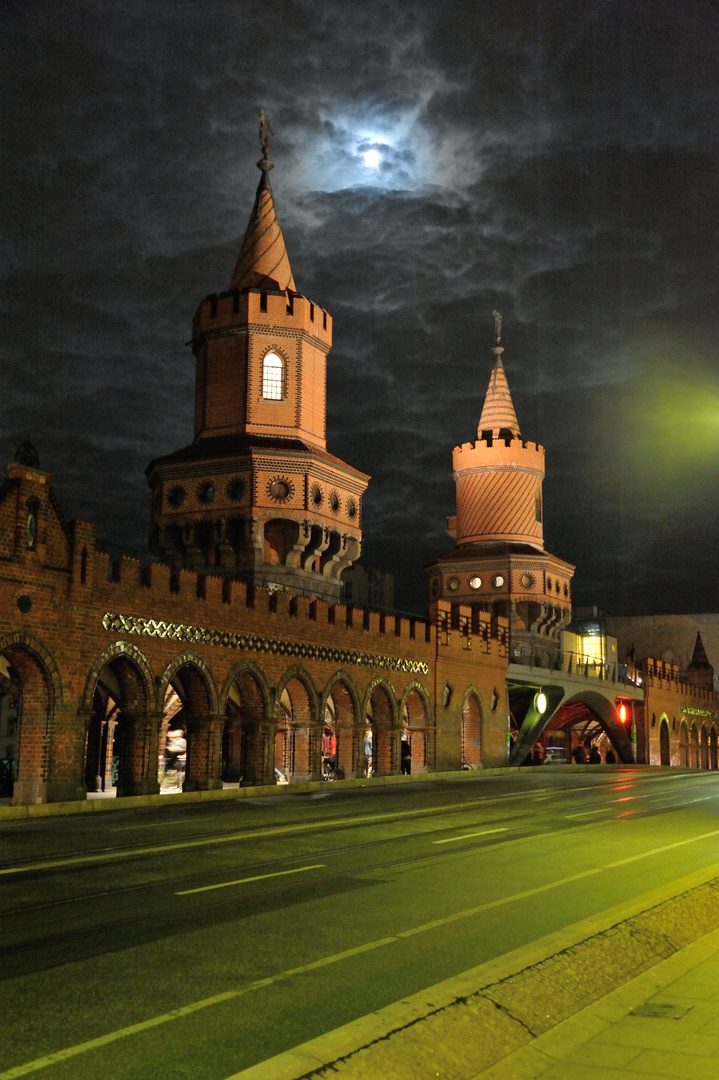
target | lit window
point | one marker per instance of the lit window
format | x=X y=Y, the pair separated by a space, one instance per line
x=272 y=377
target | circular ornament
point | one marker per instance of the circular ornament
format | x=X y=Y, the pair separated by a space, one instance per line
x=280 y=489
x=177 y=496
x=334 y=501
x=206 y=492
x=24 y=604
x=475 y=582
x=235 y=489
x=453 y=583
x=498 y=581
x=351 y=509
x=316 y=495
x=528 y=580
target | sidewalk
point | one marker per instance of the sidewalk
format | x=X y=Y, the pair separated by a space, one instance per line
x=580 y=1004
x=664 y=1023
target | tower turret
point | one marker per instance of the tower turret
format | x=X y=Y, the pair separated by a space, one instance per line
x=499 y=563
x=257 y=496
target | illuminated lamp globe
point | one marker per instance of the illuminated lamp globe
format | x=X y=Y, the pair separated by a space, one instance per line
x=540 y=702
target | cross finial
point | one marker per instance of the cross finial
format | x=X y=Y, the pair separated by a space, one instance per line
x=497 y=326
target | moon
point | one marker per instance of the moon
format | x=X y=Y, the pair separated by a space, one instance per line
x=372 y=159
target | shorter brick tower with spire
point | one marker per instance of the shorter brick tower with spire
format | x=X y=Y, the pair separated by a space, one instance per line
x=499 y=563
x=256 y=496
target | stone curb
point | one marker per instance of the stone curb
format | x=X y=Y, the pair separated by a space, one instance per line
x=339 y=1052
x=131 y=802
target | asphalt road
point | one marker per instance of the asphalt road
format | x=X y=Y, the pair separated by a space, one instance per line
x=193 y=941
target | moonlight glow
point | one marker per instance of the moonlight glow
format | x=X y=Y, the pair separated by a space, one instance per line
x=372 y=159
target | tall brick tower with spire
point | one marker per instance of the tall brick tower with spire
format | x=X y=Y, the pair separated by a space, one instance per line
x=499 y=563
x=256 y=496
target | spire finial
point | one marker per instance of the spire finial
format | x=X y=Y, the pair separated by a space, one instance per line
x=497 y=326
x=265 y=141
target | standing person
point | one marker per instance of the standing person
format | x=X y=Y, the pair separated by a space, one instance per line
x=405 y=753
x=579 y=754
x=610 y=758
x=595 y=758
x=367 y=748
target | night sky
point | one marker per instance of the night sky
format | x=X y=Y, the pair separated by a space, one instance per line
x=557 y=161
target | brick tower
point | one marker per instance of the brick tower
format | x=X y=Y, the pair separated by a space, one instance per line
x=256 y=496
x=499 y=563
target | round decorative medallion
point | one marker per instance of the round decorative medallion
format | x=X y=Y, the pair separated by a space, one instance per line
x=498 y=581
x=206 y=492
x=351 y=508
x=316 y=495
x=177 y=496
x=334 y=501
x=235 y=489
x=280 y=489
x=528 y=580
x=453 y=583
x=549 y=584
x=24 y=604
x=566 y=589
x=475 y=582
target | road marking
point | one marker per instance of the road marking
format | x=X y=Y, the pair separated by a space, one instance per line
x=252 y=834
x=467 y=836
x=586 y=813
x=228 y=995
x=153 y=824
x=244 y=880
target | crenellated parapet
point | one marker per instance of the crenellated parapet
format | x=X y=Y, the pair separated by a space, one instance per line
x=236 y=312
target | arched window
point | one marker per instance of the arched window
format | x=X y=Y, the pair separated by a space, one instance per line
x=272 y=371
x=538 y=505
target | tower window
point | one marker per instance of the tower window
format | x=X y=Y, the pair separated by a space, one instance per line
x=272 y=370
x=538 y=505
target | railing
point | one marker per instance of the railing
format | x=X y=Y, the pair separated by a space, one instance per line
x=572 y=663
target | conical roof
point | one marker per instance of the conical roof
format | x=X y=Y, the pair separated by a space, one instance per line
x=498 y=413
x=263 y=261
x=699 y=658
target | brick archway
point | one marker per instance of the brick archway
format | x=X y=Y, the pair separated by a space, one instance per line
x=193 y=682
x=340 y=706
x=417 y=741
x=297 y=726
x=122 y=731
x=36 y=681
x=245 y=701
x=472 y=719
x=381 y=714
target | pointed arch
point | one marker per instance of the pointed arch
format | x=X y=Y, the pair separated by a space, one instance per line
x=472 y=742
x=129 y=652
x=192 y=660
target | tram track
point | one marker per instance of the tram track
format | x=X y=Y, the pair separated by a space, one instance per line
x=203 y=909
x=136 y=849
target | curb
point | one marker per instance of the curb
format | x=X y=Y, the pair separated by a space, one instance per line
x=358 y=1048
x=133 y=802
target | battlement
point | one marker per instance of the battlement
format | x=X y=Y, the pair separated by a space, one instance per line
x=216 y=603
x=661 y=674
x=498 y=452
x=262 y=307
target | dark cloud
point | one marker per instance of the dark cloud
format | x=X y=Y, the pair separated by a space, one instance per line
x=558 y=163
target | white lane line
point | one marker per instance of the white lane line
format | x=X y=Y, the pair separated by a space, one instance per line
x=468 y=836
x=152 y=824
x=586 y=813
x=196 y=1006
x=244 y=880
